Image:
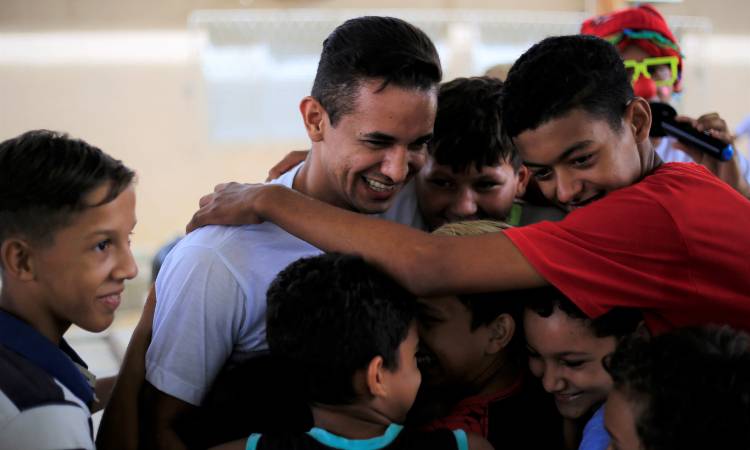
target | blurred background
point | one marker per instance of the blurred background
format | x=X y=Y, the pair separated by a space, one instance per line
x=191 y=93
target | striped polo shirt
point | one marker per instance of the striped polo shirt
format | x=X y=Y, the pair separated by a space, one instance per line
x=44 y=397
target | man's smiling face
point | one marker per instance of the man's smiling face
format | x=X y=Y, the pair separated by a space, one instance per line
x=372 y=152
x=578 y=158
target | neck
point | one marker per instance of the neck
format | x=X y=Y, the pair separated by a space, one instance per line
x=350 y=421
x=499 y=376
x=31 y=313
x=650 y=160
x=312 y=180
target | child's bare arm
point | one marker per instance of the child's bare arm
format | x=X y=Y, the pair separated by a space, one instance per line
x=477 y=442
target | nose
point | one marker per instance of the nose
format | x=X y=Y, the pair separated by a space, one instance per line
x=551 y=379
x=126 y=268
x=395 y=164
x=464 y=204
x=567 y=187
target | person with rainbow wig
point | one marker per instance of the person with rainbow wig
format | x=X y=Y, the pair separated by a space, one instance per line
x=653 y=58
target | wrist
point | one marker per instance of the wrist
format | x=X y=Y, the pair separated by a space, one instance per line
x=266 y=197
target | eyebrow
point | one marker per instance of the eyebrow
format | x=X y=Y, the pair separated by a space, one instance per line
x=575 y=147
x=426 y=306
x=109 y=232
x=382 y=137
x=558 y=355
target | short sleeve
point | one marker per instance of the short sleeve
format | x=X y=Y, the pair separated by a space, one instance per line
x=199 y=315
x=623 y=250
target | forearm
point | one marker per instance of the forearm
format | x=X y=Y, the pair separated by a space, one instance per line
x=119 y=428
x=423 y=263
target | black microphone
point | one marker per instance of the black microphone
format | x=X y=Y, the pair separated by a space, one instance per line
x=663 y=123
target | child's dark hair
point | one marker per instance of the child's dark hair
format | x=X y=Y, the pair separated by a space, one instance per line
x=330 y=315
x=690 y=387
x=617 y=322
x=560 y=74
x=373 y=48
x=467 y=125
x=44 y=179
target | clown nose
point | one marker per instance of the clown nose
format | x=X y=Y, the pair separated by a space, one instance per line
x=645 y=87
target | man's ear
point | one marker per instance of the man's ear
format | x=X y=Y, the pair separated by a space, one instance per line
x=523 y=180
x=501 y=331
x=638 y=118
x=16 y=258
x=314 y=117
x=376 y=380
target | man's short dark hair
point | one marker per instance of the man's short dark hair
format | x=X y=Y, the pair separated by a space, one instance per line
x=330 y=315
x=45 y=177
x=467 y=125
x=561 y=74
x=373 y=48
x=617 y=322
x=690 y=387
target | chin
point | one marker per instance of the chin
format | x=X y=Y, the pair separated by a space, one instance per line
x=98 y=325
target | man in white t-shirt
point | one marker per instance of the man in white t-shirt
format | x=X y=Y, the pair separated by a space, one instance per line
x=369 y=118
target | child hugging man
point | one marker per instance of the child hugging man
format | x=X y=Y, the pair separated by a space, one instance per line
x=350 y=333
x=474 y=367
x=66 y=214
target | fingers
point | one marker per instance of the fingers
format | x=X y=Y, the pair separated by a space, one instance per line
x=686 y=119
x=695 y=154
x=287 y=163
x=205 y=200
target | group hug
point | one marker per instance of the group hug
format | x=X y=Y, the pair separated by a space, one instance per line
x=466 y=264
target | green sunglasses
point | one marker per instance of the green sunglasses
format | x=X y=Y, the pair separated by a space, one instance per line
x=662 y=69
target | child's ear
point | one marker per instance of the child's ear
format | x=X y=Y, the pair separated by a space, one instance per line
x=523 y=180
x=376 y=379
x=313 y=115
x=501 y=332
x=638 y=118
x=16 y=257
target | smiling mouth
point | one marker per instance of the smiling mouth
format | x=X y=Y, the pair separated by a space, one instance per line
x=580 y=204
x=565 y=398
x=379 y=186
x=112 y=301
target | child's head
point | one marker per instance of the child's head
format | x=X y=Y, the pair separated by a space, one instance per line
x=686 y=389
x=349 y=329
x=471 y=173
x=566 y=348
x=67 y=210
x=569 y=109
x=466 y=339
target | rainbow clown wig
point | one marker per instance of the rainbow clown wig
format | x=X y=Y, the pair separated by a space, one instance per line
x=642 y=26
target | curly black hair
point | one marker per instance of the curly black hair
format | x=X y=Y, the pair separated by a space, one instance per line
x=617 y=322
x=563 y=73
x=330 y=315
x=691 y=387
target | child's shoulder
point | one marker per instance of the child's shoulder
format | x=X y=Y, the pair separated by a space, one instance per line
x=24 y=383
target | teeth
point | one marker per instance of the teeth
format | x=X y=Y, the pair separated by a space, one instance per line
x=377 y=186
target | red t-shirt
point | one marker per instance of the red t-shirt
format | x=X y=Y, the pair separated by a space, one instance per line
x=676 y=245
